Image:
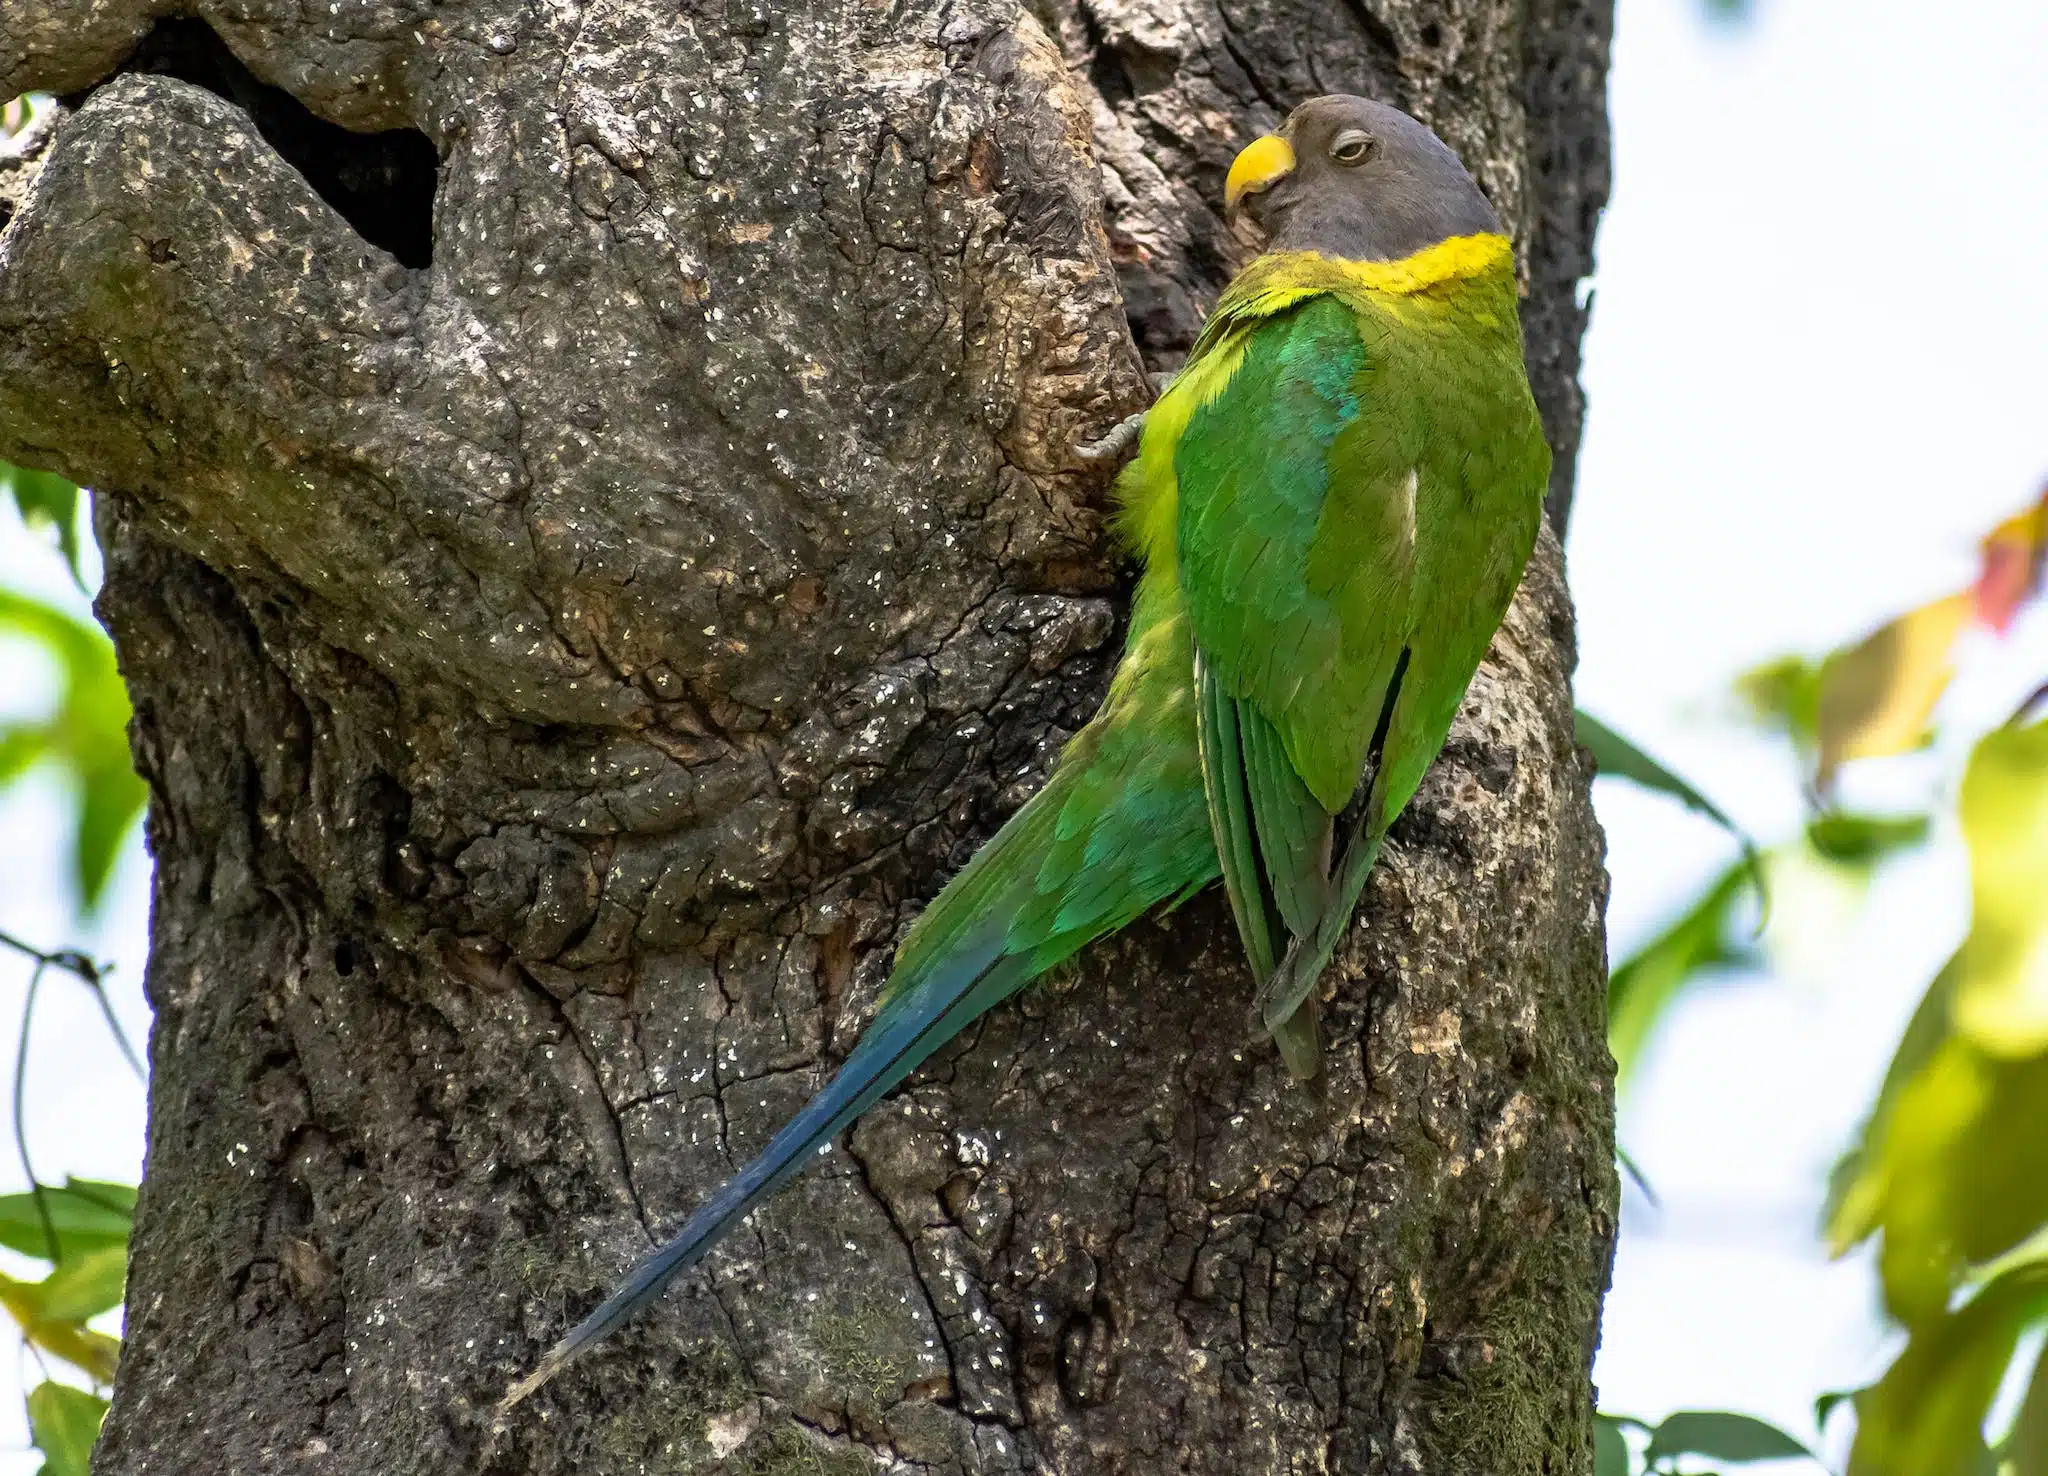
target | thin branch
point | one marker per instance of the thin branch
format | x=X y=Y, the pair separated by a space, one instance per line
x=93 y=976
x=35 y=1185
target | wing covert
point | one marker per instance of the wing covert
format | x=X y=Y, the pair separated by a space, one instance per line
x=1296 y=534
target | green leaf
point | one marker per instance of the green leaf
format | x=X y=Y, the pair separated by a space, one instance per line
x=1864 y=840
x=1618 y=758
x=1956 y=1173
x=2026 y=1448
x=64 y=1422
x=1784 y=695
x=87 y=735
x=1721 y=1436
x=1643 y=986
x=1927 y=1413
x=1924 y=1035
x=2001 y=987
x=109 y=800
x=1826 y=1404
x=1636 y=1175
x=47 y=501
x=1610 y=1450
x=87 y=1215
x=81 y=1289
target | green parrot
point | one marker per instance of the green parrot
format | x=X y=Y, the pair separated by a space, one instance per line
x=1333 y=501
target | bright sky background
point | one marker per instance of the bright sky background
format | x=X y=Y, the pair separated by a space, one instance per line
x=1818 y=369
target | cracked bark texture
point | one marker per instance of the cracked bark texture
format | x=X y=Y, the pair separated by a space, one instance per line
x=563 y=669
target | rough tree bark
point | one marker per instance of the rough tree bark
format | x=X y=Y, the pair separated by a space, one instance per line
x=592 y=544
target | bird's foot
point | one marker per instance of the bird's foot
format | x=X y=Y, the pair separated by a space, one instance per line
x=1121 y=436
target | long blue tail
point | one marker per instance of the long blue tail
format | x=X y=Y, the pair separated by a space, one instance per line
x=915 y=1022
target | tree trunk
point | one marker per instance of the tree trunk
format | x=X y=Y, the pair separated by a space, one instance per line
x=592 y=547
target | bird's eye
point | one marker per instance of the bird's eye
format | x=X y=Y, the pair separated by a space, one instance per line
x=1352 y=146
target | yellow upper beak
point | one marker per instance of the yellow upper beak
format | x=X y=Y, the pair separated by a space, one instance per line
x=1263 y=161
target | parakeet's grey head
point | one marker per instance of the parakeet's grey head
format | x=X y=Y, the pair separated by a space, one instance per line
x=1354 y=178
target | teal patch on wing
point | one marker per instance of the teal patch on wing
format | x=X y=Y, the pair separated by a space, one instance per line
x=1297 y=535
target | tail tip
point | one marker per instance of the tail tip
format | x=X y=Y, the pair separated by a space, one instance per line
x=548 y=1367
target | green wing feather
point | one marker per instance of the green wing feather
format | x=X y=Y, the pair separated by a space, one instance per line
x=1230 y=818
x=1294 y=829
x=1296 y=550
x=1297 y=535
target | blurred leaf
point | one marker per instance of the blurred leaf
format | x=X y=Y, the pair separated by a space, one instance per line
x=1821 y=883
x=1927 y=1413
x=86 y=735
x=46 y=500
x=1784 y=694
x=1955 y=1173
x=1826 y=1404
x=1877 y=696
x=1924 y=1034
x=1864 y=840
x=1618 y=758
x=1953 y=1166
x=1610 y=1450
x=1636 y=1175
x=66 y=1338
x=81 y=1289
x=2025 y=1448
x=2011 y=564
x=1722 y=1436
x=2001 y=985
x=1645 y=984
x=87 y=1215
x=64 y=1422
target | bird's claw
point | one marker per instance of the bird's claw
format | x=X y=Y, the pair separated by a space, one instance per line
x=1120 y=437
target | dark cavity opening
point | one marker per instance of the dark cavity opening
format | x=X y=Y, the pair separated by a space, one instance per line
x=382 y=184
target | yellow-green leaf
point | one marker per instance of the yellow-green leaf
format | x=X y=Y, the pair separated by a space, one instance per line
x=83 y=1288
x=72 y=1341
x=87 y=735
x=1784 y=694
x=64 y=1422
x=2026 y=1448
x=1877 y=696
x=2001 y=991
x=1926 y=1415
x=1851 y=1210
x=1951 y=1173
